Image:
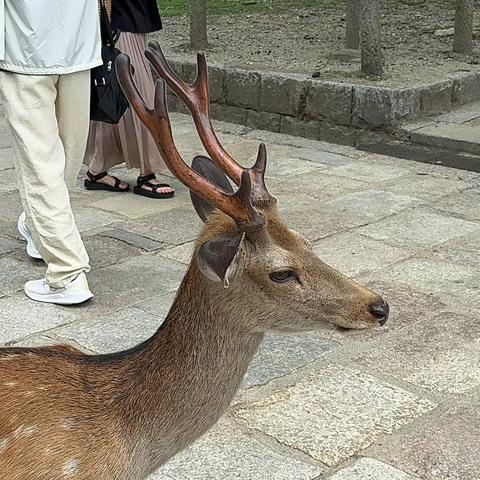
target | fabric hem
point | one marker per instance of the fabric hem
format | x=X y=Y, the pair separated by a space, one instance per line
x=48 y=70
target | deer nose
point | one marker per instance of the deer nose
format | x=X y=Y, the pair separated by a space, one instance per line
x=380 y=312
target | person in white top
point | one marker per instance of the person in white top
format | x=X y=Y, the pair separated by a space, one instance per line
x=47 y=48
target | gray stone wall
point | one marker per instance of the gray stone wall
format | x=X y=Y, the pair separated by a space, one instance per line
x=324 y=110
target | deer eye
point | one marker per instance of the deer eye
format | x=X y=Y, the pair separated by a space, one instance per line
x=282 y=276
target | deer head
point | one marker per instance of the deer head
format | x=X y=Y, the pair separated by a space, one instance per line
x=246 y=253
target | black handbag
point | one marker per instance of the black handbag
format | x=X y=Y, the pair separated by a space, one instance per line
x=107 y=100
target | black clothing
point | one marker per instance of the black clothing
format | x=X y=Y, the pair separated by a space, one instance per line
x=136 y=16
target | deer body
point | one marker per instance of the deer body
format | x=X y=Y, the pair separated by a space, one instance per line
x=68 y=415
x=124 y=414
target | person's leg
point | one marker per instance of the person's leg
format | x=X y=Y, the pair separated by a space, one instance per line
x=31 y=104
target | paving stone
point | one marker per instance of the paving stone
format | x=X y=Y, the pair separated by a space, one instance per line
x=370 y=469
x=14 y=273
x=174 y=227
x=11 y=208
x=333 y=413
x=463 y=251
x=104 y=251
x=182 y=253
x=450 y=282
x=226 y=453
x=353 y=254
x=372 y=204
x=92 y=218
x=447 y=447
x=423 y=186
x=133 y=239
x=320 y=156
x=5 y=139
x=315 y=184
x=9 y=244
x=8 y=181
x=369 y=173
x=280 y=355
x=112 y=333
x=136 y=206
x=464 y=204
x=6 y=159
x=407 y=306
x=419 y=228
x=441 y=354
x=131 y=282
x=21 y=317
x=285 y=167
x=313 y=219
x=159 y=305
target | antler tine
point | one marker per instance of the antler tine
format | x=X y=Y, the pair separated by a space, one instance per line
x=238 y=205
x=196 y=97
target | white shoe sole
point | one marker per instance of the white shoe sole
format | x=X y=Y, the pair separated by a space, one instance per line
x=31 y=250
x=73 y=298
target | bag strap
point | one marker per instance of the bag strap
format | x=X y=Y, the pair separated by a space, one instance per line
x=108 y=36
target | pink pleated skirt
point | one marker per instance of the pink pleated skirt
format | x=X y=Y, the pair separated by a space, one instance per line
x=129 y=141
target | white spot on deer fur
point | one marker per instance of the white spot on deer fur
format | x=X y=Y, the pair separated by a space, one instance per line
x=70 y=467
x=10 y=384
x=69 y=424
x=24 y=431
x=3 y=444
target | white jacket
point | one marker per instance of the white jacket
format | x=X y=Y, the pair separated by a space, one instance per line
x=49 y=37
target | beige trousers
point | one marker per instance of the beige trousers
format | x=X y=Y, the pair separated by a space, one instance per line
x=48 y=117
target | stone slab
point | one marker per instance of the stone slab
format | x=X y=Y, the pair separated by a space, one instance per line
x=93 y=218
x=111 y=333
x=226 y=453
x=8 y=181
x=333 y=413
x=279 y=355
x=14 y=273
x=370 y=469
x=133 y=239
x=9 y=244
x=181 y=253
x=173 y=227
x=419 y=228
x=21 y=317
x=447 y=447
x=441 y=354
x=158 y=305
x=353 y=254
x=464 y=204
x=371 y=204
x=464 y=251
x=368 y=172
x=6 y=159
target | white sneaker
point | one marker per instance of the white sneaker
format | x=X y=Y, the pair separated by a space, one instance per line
x=32 y=250
x=77 y=291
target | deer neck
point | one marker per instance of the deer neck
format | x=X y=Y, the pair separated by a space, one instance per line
x=189 y=371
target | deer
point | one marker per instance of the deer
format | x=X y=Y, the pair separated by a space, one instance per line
x=66 y=414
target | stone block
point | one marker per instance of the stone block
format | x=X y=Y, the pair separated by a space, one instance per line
x=370 y=172
x=226 y=453
x=352 y=254
x=329 y=101
x=370 y=469
x=466 y=88
x=242 y=88
x=263 y=120
x=446 y=447
x=280 y=94
x=181 y=253
x=9 y=244
x=8 y=181
x=21 y=317
x=464 y=204
x=229 y=113
x=133 y=239
x=464 y=251
x=14 y=273
x=88 y=218
x=112 y=333
x=279 y=355
x=6 y=158
x=419 y=228
x=436 y=98
x=372 y=107
x=440 y=354
x=372 y=204
x=317 y=130
x=333 y=413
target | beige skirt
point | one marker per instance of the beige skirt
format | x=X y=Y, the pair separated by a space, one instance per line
x=129 y=141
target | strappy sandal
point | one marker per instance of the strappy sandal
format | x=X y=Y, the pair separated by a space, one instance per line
x=94 y=184
x=154 y=193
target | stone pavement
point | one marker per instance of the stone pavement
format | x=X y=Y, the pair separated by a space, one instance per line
x=398 y=403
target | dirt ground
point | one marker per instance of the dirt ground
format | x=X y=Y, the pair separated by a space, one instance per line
x=310 y=42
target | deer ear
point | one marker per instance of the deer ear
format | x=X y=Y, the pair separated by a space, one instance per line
x=208 y=169
x=217 y=258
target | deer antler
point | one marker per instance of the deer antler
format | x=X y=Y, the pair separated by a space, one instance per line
x=196 y=98
x=237 y=205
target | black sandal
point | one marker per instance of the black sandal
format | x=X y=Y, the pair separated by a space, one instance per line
x=154 y=193
x=93 y=184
